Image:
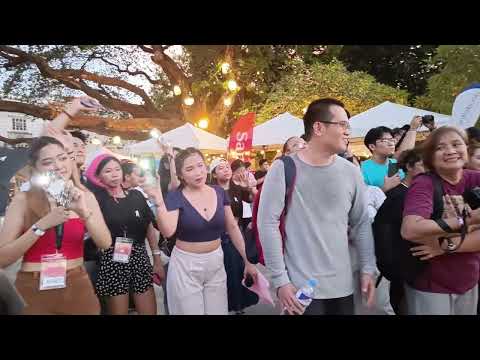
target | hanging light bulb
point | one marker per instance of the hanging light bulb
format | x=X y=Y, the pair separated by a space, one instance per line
x=232 y=85
x=177 y=90
x=189 y=101
x=155 y=133
x=144 y=164
x=227 y=102
x=225 y=68
x=117 y=140
x=203 y=123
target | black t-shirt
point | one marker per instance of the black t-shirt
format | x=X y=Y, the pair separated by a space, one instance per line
x=238 y=194
x=129 y=216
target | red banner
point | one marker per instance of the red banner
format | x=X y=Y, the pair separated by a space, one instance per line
x=242 y=133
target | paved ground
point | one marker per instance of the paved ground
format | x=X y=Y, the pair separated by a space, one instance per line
x=259 y=309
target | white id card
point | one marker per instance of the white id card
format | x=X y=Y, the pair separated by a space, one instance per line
x=247 y=210
x=53 y=273
x=123 y=249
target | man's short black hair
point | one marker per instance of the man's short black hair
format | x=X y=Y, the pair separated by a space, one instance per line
x=473 y=133
x=319 y=110
x=79 y=135
x=410 y=158
x=375 y=134
x=261 y=162
x=396 y=131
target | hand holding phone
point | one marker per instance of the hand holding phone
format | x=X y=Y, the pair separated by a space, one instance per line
x=392 y=169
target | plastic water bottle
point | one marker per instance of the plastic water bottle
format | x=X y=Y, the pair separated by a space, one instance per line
x=305 y=294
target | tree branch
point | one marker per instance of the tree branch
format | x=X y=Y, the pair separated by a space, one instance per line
x=29 y=109
x=146 y=49
x=71 y=78
x=132 y=73
x=16 y=141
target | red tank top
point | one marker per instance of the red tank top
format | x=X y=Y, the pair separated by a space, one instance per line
x=72 y=244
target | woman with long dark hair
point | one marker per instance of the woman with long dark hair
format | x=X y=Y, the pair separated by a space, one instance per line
x=125 y=265
x=239 y=297
x=53 y=279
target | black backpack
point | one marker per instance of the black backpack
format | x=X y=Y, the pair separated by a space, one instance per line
x=394 y=259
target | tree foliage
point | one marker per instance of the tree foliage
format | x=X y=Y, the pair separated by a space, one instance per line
x=405 y=67
x=459 y=68
x=357 y=90
x=136 y=81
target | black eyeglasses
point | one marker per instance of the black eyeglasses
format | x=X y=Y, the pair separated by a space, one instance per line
x=343 y=124
x=387 y=140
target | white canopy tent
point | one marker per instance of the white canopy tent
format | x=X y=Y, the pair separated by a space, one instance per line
x=184 y=136
x=92 y=151
x=390 y=115
x=277 y=130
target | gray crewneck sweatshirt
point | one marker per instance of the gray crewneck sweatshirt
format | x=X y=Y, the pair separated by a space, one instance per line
x=325 y=200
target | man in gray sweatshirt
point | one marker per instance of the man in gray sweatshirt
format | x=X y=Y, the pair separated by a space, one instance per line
x=328 y=196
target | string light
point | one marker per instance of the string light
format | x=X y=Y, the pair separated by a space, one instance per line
x=225 y=68
x=203 y=123
x=189 y=101
x=144 y=164
x=117 y=140
x=154 y=133
x=227 y=101
x=177 y=90
x=232 y=85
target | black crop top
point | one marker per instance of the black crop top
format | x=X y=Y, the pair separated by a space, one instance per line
x=192 y=227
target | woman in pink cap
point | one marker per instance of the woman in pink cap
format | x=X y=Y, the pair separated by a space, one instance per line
x=125 y=266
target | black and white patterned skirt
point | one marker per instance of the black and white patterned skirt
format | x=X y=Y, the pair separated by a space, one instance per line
x=116 y=278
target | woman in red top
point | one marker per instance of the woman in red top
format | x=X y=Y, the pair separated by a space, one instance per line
x=29 y=231
x=448 y=284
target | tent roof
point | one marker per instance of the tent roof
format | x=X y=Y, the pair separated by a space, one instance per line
x=277 y=130
x=184 y=136
x=390 y=115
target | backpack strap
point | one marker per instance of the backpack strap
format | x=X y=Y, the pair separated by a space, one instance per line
x=437 y=196
x=290 y=175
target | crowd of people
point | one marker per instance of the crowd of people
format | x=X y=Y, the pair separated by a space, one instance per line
x=395 y=234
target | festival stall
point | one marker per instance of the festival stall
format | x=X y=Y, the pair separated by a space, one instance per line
x=390 y=115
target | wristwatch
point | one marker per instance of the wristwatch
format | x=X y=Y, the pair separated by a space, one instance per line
x=37 y=231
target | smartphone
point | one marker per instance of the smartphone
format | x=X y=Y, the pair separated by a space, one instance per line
x=248 y=281
x=92 y=104
x=392 y=169
x=156 y=280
